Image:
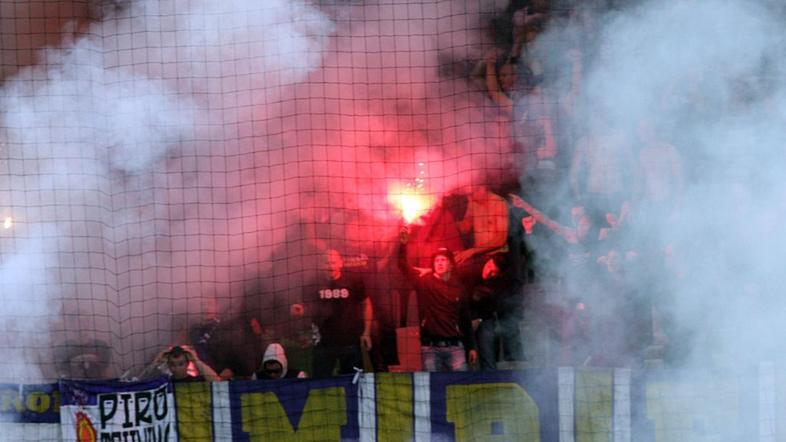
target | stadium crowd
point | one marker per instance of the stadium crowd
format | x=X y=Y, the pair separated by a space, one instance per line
x=561 y=247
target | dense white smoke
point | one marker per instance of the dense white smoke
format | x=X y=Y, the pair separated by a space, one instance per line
x=706 y=76
x=89 y=130
x=188 y=154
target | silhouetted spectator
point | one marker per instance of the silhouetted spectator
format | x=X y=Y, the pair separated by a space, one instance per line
x=343 y=316
x=496 y=303
x=658 y=178
x=233 y=346
x=601 y=171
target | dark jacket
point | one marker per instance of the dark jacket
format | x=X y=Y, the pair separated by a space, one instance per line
x=442 y=305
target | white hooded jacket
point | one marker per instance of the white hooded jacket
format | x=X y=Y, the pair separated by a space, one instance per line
x=275 y=352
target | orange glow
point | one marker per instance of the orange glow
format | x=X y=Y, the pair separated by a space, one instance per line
x=410 y=202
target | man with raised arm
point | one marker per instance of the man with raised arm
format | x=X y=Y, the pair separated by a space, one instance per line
x=178 y=359
x=446 y=335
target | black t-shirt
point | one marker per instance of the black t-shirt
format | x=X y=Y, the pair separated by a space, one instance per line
x=485 y=294
x=234 y=345
x=340 y=310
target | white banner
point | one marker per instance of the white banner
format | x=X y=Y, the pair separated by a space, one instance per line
x=118 y=411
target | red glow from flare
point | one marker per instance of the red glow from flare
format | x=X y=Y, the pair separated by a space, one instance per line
x=410 y=202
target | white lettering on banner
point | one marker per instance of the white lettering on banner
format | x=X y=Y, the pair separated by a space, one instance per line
x=333 y=294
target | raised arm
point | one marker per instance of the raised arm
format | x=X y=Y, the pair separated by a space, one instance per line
x=368 y=317
x=568 y=234
x=406 y=268
x=492 y=84
x=203 y=369
x=154 y=369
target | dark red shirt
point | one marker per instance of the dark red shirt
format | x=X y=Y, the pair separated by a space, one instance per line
x=443 y=305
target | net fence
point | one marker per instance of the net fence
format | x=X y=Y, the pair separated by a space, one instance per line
x=177 y=168
x=223 y=176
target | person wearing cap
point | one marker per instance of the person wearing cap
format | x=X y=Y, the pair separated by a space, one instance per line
x=275 y=366
x=446 y=335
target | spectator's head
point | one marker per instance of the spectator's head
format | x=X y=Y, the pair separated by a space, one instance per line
x=583 y=221
x=613 y=261
x=274 y=363
x=442 y=262
x=494 y=266
x=334 y=263
x=177 y=362
x=255 y=326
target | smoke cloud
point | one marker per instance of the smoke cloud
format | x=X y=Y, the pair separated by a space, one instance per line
x=166 y=159
x=707 y=76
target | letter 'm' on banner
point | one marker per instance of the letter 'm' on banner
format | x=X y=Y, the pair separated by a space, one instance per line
x=323 y=416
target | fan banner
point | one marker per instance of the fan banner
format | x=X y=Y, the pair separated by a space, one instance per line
x=33 y=404
x=118 y=411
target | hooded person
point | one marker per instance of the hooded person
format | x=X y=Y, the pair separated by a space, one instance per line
x=275 y=366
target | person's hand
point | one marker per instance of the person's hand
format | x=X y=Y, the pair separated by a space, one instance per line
x=611 y=220
x=365 y=341
x=226 y=375
x=462 y=256
x=473 y=356
x=161 y=357
x=423 y=271
x=190 y=353
x=297 y=310
x=528 y=222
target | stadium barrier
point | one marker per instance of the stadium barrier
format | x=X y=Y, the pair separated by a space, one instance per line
x=565 y=404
